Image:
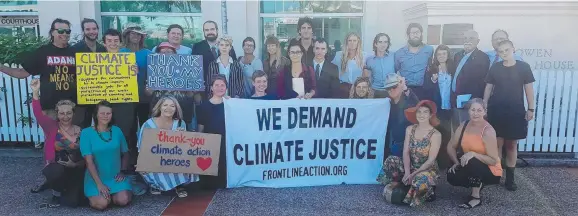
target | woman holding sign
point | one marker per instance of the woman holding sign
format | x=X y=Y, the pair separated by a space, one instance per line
x=212 y=120
x=296 y=80
x=166 y=115
x=418 y=169
x=64 y=167
x=106 y=155
x=185 y=98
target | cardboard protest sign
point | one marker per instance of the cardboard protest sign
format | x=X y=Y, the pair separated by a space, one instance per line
x=106 y=76
x=297 y=143
x=175 y=72
x=179 y=152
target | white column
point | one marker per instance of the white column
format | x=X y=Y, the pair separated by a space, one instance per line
x=73 y=11
x=238 y=23
x=211 y=11
x=50 y=10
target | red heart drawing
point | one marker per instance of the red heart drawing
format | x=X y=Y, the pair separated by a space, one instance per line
x=204 y=163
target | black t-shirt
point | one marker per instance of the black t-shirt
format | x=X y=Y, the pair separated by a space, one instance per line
x=81 y=47
x=509 y=84
x=186 y=103
x=57 y=69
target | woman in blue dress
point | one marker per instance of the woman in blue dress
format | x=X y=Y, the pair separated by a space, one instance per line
x=105 y=151
x=212 y=120
x=166 y=115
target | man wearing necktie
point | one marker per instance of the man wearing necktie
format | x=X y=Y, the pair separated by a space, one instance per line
x=468 y=80
x=208 y=48
x=326 y=73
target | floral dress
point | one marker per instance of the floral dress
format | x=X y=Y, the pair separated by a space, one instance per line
x=422 y=184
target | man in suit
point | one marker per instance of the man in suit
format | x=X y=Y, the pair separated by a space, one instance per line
x=209 y=48
x=468 y=81
x=326 y=75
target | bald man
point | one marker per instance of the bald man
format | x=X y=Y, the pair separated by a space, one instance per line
x=497 y=37
x=468 y=80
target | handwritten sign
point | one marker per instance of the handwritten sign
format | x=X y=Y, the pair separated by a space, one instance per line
x=179 y=152
x=106 y=76
x=175 y=72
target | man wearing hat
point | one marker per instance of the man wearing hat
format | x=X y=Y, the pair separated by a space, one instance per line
x=401 y=98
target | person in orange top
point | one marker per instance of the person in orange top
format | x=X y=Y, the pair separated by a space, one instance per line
x=480 y=164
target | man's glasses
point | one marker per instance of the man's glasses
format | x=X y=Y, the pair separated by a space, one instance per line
x=63 y=31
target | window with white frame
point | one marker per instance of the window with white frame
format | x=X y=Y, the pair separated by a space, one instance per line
x=332 y=19
x=18 y=17
x=154 y=17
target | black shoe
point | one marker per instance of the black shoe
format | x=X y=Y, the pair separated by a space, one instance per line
x=511 y=186
x=39 y=188
x=510 y=183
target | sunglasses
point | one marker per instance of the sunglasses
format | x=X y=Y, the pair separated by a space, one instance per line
x=63 y=31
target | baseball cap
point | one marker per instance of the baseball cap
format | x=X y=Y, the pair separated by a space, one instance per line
x=392 y=80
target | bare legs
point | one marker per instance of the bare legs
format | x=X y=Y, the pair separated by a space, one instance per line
x=100 y=203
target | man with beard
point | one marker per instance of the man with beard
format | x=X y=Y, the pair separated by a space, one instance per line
x=305 y=30
x=497 y=37
x=411 y=61
x=55 y=64
x=208 y=48
x=88 y=44
x=468 y=80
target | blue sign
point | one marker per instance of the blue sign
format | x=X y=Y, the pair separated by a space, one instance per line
x=175 y=72
x=296 y=143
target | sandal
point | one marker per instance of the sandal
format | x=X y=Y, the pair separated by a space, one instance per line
x=53 y=203
x=182 y=193
x=467 y=205
x=432 y=195
x=155 y=191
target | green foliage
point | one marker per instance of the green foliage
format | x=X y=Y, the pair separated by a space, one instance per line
x=13 y=49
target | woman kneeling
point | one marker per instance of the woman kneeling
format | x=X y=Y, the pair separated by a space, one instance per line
x=480 y=164
x=102 y=146
x=167 y=115
x=421 y=145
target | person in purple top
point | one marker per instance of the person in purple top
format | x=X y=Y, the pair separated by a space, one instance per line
x=260 y=84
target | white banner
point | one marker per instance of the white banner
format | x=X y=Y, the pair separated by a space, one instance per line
x=294 y=143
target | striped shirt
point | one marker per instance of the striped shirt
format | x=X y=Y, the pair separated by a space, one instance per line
x=235 y=80
x=165 y=181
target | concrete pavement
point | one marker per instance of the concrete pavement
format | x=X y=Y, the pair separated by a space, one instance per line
x=542 y=191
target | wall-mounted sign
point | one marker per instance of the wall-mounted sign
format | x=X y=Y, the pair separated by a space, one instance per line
x=453 y=34
x=18 y=20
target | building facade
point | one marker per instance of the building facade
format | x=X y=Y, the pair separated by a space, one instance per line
x=541 y=31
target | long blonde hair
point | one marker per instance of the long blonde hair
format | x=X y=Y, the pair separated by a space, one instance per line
x=345 y=53
x=273 y=40
x=156 y=112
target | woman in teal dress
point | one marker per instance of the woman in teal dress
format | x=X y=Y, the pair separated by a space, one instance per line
x=102 y=147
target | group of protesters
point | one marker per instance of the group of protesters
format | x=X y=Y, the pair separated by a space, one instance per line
x=438 y=107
